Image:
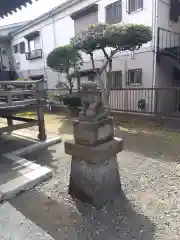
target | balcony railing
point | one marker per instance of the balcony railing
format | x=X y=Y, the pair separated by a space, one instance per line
x=34 y=54
x=168 y=43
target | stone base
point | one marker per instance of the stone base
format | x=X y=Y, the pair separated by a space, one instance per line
x=94 y=183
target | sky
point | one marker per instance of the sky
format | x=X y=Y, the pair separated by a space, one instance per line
x=31 y=11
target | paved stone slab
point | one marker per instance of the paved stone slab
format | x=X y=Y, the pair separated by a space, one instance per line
x=10 y=169
x=24 y=182
x=14 y=226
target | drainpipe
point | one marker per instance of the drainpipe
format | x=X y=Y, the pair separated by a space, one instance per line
x=155 y=36
x=155 y=39
x=55 y=40
x=44 y=61
x=54 y=31
x=1 y=67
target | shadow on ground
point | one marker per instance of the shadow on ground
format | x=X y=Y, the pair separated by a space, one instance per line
x=66 y=219
x=52 y=209
x=9 y=143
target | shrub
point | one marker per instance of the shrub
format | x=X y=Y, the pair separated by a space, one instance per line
x=72 y=101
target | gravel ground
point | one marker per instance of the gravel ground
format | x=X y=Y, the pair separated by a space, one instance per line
x=148 y=206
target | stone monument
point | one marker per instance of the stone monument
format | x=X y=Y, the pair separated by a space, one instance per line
x=94 y=176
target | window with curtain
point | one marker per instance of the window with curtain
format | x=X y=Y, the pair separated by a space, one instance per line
x=135 y=5
x=134 y=77
x=114 y=12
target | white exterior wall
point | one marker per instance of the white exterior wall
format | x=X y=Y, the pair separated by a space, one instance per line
x=138 y=17
x=144 y=16
x=128 y=99
x=58 y=29
x=164 y=17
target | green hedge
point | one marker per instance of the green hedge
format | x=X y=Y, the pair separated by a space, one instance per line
x=72 y=101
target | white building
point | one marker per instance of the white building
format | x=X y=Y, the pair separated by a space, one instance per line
x=155 y=65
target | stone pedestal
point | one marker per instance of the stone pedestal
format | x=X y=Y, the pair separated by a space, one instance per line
x=94 y=174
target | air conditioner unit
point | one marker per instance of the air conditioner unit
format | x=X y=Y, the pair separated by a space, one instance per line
x=3 y=51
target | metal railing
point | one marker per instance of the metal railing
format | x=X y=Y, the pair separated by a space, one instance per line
x=168 y=42
x=163 y=101
x=34 y=54
x=160 y=101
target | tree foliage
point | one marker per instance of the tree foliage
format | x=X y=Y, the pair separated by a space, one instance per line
x=65 y=59
x=119 y=37
x=110 y=39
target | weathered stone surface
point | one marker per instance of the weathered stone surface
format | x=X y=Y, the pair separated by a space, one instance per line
x=93 y=133
x=93 y=108
x=94 y=183
x=94 y=171
x=94 y=154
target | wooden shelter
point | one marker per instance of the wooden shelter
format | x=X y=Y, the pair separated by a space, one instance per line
x=16 y=100
x=10 y=6
x=19 y=100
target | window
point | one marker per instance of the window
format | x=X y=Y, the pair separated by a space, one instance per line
x=134 y=76
x=32 y=45
x=34 y=48
x=114 y=80
x=34 y=54
x=22 y=47
x=91 y=78
x=15 y=47
x=114 y=13
x=135 y=5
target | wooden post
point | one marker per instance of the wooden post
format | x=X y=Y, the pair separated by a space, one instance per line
x=9 y=121
x=9 y=118
x=40 y=112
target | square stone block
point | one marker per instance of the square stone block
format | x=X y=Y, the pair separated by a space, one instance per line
x=93 y=133
x=94 y=154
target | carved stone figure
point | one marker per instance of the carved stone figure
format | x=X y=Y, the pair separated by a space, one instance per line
x=93 y=108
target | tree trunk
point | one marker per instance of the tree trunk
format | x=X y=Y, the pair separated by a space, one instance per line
x=78 y=83
x=70 y=84
x=99 y=73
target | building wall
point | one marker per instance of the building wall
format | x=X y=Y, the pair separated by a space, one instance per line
x=83 y=23
x=164 y=17
x=127 y=99
x=164 y=67
x=138 y=17
x=59 y=28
